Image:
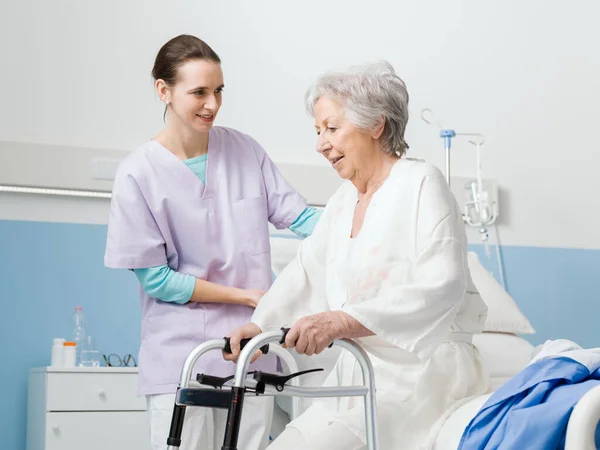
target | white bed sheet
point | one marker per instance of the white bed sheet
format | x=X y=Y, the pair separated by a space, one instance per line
x=504 y=355
x=451 y=431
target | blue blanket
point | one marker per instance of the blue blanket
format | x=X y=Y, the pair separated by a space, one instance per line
x=532 y=409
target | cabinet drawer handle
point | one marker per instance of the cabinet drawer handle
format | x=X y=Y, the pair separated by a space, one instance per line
x=101 y=392
x=55 y=428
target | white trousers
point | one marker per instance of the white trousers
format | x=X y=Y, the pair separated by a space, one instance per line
x=335 y=437
x=204 y=428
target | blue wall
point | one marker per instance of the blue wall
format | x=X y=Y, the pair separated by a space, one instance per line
x=557 y=289
x=47 y=269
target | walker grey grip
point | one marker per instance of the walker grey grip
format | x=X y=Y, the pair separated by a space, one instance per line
x=227 y=346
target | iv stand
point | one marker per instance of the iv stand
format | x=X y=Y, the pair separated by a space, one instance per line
x=447 y=135
x=477 y=140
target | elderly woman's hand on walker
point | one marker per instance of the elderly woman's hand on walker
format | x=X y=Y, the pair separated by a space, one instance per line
x=313 y=334
x=309 y=336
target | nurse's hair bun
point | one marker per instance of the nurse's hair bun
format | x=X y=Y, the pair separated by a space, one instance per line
x=177 y=52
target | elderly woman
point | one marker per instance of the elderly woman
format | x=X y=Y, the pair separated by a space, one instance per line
x=387 y=267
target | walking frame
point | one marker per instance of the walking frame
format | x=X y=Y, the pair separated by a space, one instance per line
x=213 y=392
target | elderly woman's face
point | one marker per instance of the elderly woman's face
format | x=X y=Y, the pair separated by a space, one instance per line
x=346 y=147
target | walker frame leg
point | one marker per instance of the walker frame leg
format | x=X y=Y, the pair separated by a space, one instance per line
x=174 y=439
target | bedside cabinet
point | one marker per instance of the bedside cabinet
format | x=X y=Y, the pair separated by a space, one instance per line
x=91 y=408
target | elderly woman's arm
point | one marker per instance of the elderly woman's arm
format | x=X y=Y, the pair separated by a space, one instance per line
x=412 y=316
x=298 y=290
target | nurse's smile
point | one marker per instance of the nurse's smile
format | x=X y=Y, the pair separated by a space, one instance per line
x=207 y=118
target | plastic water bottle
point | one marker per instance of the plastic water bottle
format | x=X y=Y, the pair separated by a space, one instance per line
x=78 y=332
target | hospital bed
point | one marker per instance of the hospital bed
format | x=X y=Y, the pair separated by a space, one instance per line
x=503 y=349
x=581 y=429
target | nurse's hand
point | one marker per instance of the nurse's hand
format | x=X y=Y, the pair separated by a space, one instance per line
x=253 y=296
x=247 y=331
x=313 y=334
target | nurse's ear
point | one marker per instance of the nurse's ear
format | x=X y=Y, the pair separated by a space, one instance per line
x=377 y=131
x=163 y=91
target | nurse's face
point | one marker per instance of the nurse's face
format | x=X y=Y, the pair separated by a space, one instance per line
x=347 y=148
x=197 y=95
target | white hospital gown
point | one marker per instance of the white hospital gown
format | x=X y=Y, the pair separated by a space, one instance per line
x=404 y=277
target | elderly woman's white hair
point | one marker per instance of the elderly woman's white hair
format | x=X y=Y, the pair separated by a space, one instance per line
x=369 y=93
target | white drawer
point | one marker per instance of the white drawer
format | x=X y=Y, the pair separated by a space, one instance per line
x=93 y=392
x=97 y=431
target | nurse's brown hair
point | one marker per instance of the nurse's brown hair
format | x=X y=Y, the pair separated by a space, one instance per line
x=177 y=52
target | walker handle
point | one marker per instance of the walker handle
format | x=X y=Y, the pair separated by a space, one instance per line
x=264 y=348
x=285 y=333
x=227 y=347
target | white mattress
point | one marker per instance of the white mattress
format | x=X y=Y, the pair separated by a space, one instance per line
x=454 y=426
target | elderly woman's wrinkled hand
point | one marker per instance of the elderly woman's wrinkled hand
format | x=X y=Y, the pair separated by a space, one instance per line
x=313 y=334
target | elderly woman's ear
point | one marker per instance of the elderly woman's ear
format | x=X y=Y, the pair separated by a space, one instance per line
x=378 y=130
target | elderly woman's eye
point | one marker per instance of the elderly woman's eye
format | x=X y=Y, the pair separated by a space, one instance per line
x=332 y=129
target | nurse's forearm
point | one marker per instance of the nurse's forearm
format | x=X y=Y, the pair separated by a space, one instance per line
x=170 y=286
x=207 y=292
x=163 y=283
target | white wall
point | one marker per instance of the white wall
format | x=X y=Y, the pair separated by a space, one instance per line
x=525 y=74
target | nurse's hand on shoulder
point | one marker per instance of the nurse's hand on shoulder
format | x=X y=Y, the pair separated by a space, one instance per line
x=247 y=331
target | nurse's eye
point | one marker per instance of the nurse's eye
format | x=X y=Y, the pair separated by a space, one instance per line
x=219 y=90
x=199 y=92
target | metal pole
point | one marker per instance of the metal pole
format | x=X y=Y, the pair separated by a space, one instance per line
x=448 y=165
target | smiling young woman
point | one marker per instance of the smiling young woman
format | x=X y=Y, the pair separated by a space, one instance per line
x=189 y=215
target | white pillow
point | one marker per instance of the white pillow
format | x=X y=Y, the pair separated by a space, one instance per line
x=503 y=354
x=504 y=316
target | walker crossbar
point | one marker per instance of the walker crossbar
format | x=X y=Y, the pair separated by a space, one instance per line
x=231 y=396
